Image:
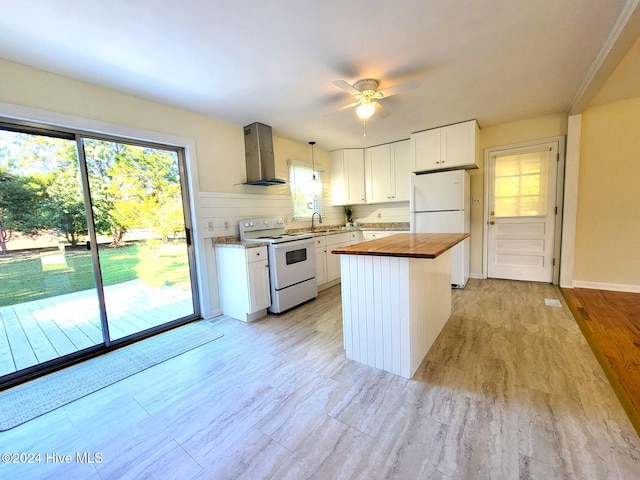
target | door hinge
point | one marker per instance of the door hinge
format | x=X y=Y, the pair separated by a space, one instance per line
x=553 y=262
x=557 y=157
x=556 y=210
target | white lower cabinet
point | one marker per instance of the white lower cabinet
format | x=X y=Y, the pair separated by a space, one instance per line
x=333 y=260
x=373 y=234
x=321 y=260
x=243 y=281
x=327 y=263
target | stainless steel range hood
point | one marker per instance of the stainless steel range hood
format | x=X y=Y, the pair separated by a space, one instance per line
x=258 y=149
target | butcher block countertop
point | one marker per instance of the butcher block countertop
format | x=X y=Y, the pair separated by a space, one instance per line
x=414 y=245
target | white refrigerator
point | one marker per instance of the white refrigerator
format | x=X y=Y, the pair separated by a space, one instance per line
x=440 y=203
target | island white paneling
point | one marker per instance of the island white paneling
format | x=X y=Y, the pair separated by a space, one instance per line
x=394 y=308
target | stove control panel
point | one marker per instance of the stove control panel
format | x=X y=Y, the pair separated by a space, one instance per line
x=261 y=227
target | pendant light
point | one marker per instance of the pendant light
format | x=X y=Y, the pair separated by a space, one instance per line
x=315 y=183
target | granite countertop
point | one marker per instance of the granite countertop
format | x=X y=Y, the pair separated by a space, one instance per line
x=415 y=245
x=234 y=241
x=333 y=229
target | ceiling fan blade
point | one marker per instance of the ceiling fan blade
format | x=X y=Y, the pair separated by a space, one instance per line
x=401 y=87
x=382 y=111
x=346 y=87
x=350 y=105
x=344 y=107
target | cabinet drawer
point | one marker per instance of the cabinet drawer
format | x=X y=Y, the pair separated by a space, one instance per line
x=355 y=237
x=337 y=238
x=320 y=241
x=256 y=254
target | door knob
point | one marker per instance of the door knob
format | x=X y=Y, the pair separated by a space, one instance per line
x=492 y=222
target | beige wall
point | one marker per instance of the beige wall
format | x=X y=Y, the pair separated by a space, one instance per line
x=608 y=216
x=219 y=145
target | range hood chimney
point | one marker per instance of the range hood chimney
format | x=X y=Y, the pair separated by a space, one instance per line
x=258 y=149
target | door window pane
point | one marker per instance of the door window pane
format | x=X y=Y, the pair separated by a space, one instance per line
x=521 y=184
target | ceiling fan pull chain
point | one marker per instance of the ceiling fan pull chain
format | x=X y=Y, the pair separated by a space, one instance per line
x=364 y=128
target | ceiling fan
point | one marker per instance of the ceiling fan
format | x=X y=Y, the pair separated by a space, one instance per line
x=367 y=96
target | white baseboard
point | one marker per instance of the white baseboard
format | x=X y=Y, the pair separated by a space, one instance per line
x=212 y=313
x=477 y=276
x=614 y=287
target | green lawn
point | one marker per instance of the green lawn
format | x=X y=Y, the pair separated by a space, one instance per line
x=33 y=276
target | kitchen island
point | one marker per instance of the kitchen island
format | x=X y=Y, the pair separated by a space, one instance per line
x=396 y=297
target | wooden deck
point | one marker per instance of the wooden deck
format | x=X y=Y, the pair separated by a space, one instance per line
x=35 y=332
x=610 y=321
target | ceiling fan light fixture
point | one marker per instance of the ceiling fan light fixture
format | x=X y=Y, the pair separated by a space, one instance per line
x=366 y=109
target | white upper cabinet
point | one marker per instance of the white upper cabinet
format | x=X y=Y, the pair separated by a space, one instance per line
x=453 y=146
x=402 y=168
x=378 y=174
x=387 y=171
x=347 y=177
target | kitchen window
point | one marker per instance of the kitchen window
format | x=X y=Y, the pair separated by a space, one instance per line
x=306 y=192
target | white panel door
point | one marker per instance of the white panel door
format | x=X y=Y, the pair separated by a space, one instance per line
x=522 y=193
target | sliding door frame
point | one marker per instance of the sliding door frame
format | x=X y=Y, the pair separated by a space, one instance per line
x=78 y=135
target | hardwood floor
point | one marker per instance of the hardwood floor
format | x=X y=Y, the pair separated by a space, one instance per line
x=510 y=390
x=610 y=322
x=34 y=332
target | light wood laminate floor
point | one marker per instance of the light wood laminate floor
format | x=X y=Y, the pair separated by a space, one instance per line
x=510 y=390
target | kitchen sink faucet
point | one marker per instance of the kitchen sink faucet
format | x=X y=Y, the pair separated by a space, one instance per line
x=319 y=219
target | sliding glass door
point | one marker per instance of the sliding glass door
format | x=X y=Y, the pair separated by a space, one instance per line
x=137 y=203
x=48 y=299
x=95 y=246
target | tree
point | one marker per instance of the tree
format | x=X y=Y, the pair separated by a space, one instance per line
x=21 y=201
x=134 y=187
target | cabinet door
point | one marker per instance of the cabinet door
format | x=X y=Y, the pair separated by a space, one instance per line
x=321 y=265
x=338 y=186
x=456 y=145
x=401 y=171
x=355 y=237
x=425 y=150
x=333 y=260
x=353 y=168
x=333 y=265
x=259 y=290
x=378 y=174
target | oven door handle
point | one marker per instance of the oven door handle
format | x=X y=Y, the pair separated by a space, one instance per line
x=307 y=242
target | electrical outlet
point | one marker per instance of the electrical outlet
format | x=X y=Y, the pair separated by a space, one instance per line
x=210 y=225
x=226 y=225
x=379 y=215
x=476 y=201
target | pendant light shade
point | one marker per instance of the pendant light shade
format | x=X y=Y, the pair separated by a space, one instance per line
x=315 y=183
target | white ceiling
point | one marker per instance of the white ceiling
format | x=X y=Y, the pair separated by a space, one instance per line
x=274 y=61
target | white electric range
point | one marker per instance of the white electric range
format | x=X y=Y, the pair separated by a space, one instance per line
x=292 y=261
